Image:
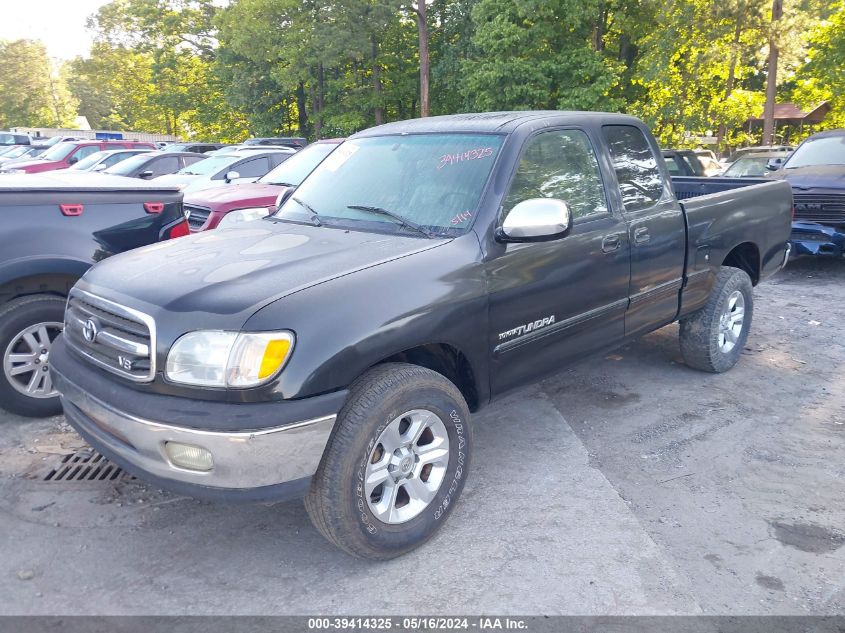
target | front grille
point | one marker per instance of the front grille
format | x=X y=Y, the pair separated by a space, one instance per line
x=117 y=338
x=825 y=208
x=197 y=216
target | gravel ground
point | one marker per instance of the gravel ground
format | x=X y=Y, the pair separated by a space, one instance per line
x=629 y=484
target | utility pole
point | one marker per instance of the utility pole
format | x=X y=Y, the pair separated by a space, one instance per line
x=421 y=11
x=772 y=76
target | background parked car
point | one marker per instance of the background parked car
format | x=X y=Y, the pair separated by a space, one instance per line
x=752 y=165
x=227 y=206
x=15 y=152
x=63 y=155
x=297 y=142
x=816 y=171
x=709 y=162
x=683 y=162
x=154 y=164
x=225 y=169
x=52 y=140
x=755 y=149
x=200 y=148
x=11 y=138
x=100 y=161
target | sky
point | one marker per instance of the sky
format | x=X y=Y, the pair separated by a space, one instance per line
x=60 y=24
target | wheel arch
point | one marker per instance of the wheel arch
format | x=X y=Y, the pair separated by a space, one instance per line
x=448 y=361
x=745 y=256
x=40 y=276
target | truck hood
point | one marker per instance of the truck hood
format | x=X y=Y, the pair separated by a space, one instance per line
x=236 y=271
x=820 y=176
x=224 y=199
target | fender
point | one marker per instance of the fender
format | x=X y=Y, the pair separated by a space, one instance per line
x=37 y=265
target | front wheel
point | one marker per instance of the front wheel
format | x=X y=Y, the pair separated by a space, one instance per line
x=28 y=327
x=395 y=463
x=713 y=337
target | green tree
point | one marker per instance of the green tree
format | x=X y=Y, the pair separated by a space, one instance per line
x=822 y=77
x=532 y=54
x=31 y=92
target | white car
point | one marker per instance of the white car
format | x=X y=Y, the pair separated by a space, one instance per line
x=225 y=169
x=99 y=161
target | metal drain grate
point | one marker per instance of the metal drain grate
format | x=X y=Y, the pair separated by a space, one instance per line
x=86 y=465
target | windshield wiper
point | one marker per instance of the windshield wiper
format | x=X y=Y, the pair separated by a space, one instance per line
x=390 y=214
x=309 y=208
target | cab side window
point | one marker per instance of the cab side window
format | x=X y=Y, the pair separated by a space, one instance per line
x=164 y=165
x=84 y=151
x=253 y=168
x=562 y=165
x=635 y=164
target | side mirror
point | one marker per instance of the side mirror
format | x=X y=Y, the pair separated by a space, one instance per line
x=147 y=174
x=99 y=167
x=73 y=160
x=536 y=220
x=774 y=163
x=232 y=175
x=283 y=196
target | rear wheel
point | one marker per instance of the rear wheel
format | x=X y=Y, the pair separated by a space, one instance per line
x=395 y=463
x=713 y=337
x=28 y=327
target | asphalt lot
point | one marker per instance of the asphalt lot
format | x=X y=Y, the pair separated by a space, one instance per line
x=629 y=484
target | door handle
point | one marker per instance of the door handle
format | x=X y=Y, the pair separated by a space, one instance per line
x=641 y=235
x=610 y=243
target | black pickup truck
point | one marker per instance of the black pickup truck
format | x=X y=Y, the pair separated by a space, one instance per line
x=336 y=349
x=55 y=227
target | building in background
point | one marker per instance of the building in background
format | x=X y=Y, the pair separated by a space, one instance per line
x=85 y=131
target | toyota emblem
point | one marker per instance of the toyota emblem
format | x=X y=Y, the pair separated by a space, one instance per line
x=90 y=330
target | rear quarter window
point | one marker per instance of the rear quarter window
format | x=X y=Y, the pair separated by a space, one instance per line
x=636 y=166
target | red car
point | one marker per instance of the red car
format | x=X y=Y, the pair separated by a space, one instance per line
x=228 y=206
x=63 y=155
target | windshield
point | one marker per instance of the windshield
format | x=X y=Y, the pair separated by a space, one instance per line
x=89 y=161
x=828 y=150
x=209 y=165
x=748 y=166
x=294 y=170
x=432 y=180
x=13 y=151
x=126 y=167
x=59 y=152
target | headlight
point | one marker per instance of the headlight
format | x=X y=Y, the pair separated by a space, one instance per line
x=228 y=359
x=242 y=215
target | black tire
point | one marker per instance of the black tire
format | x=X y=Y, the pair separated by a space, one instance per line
x=336 y=502
x=15 y=317
x=701 y=331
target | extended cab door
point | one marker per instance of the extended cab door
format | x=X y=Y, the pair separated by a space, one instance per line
x=656 y=229
x=551 y=302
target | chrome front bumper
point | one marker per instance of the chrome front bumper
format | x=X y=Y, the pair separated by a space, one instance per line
x=242 y=460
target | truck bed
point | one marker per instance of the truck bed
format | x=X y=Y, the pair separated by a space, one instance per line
x=56 y=223
x=730 y=215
